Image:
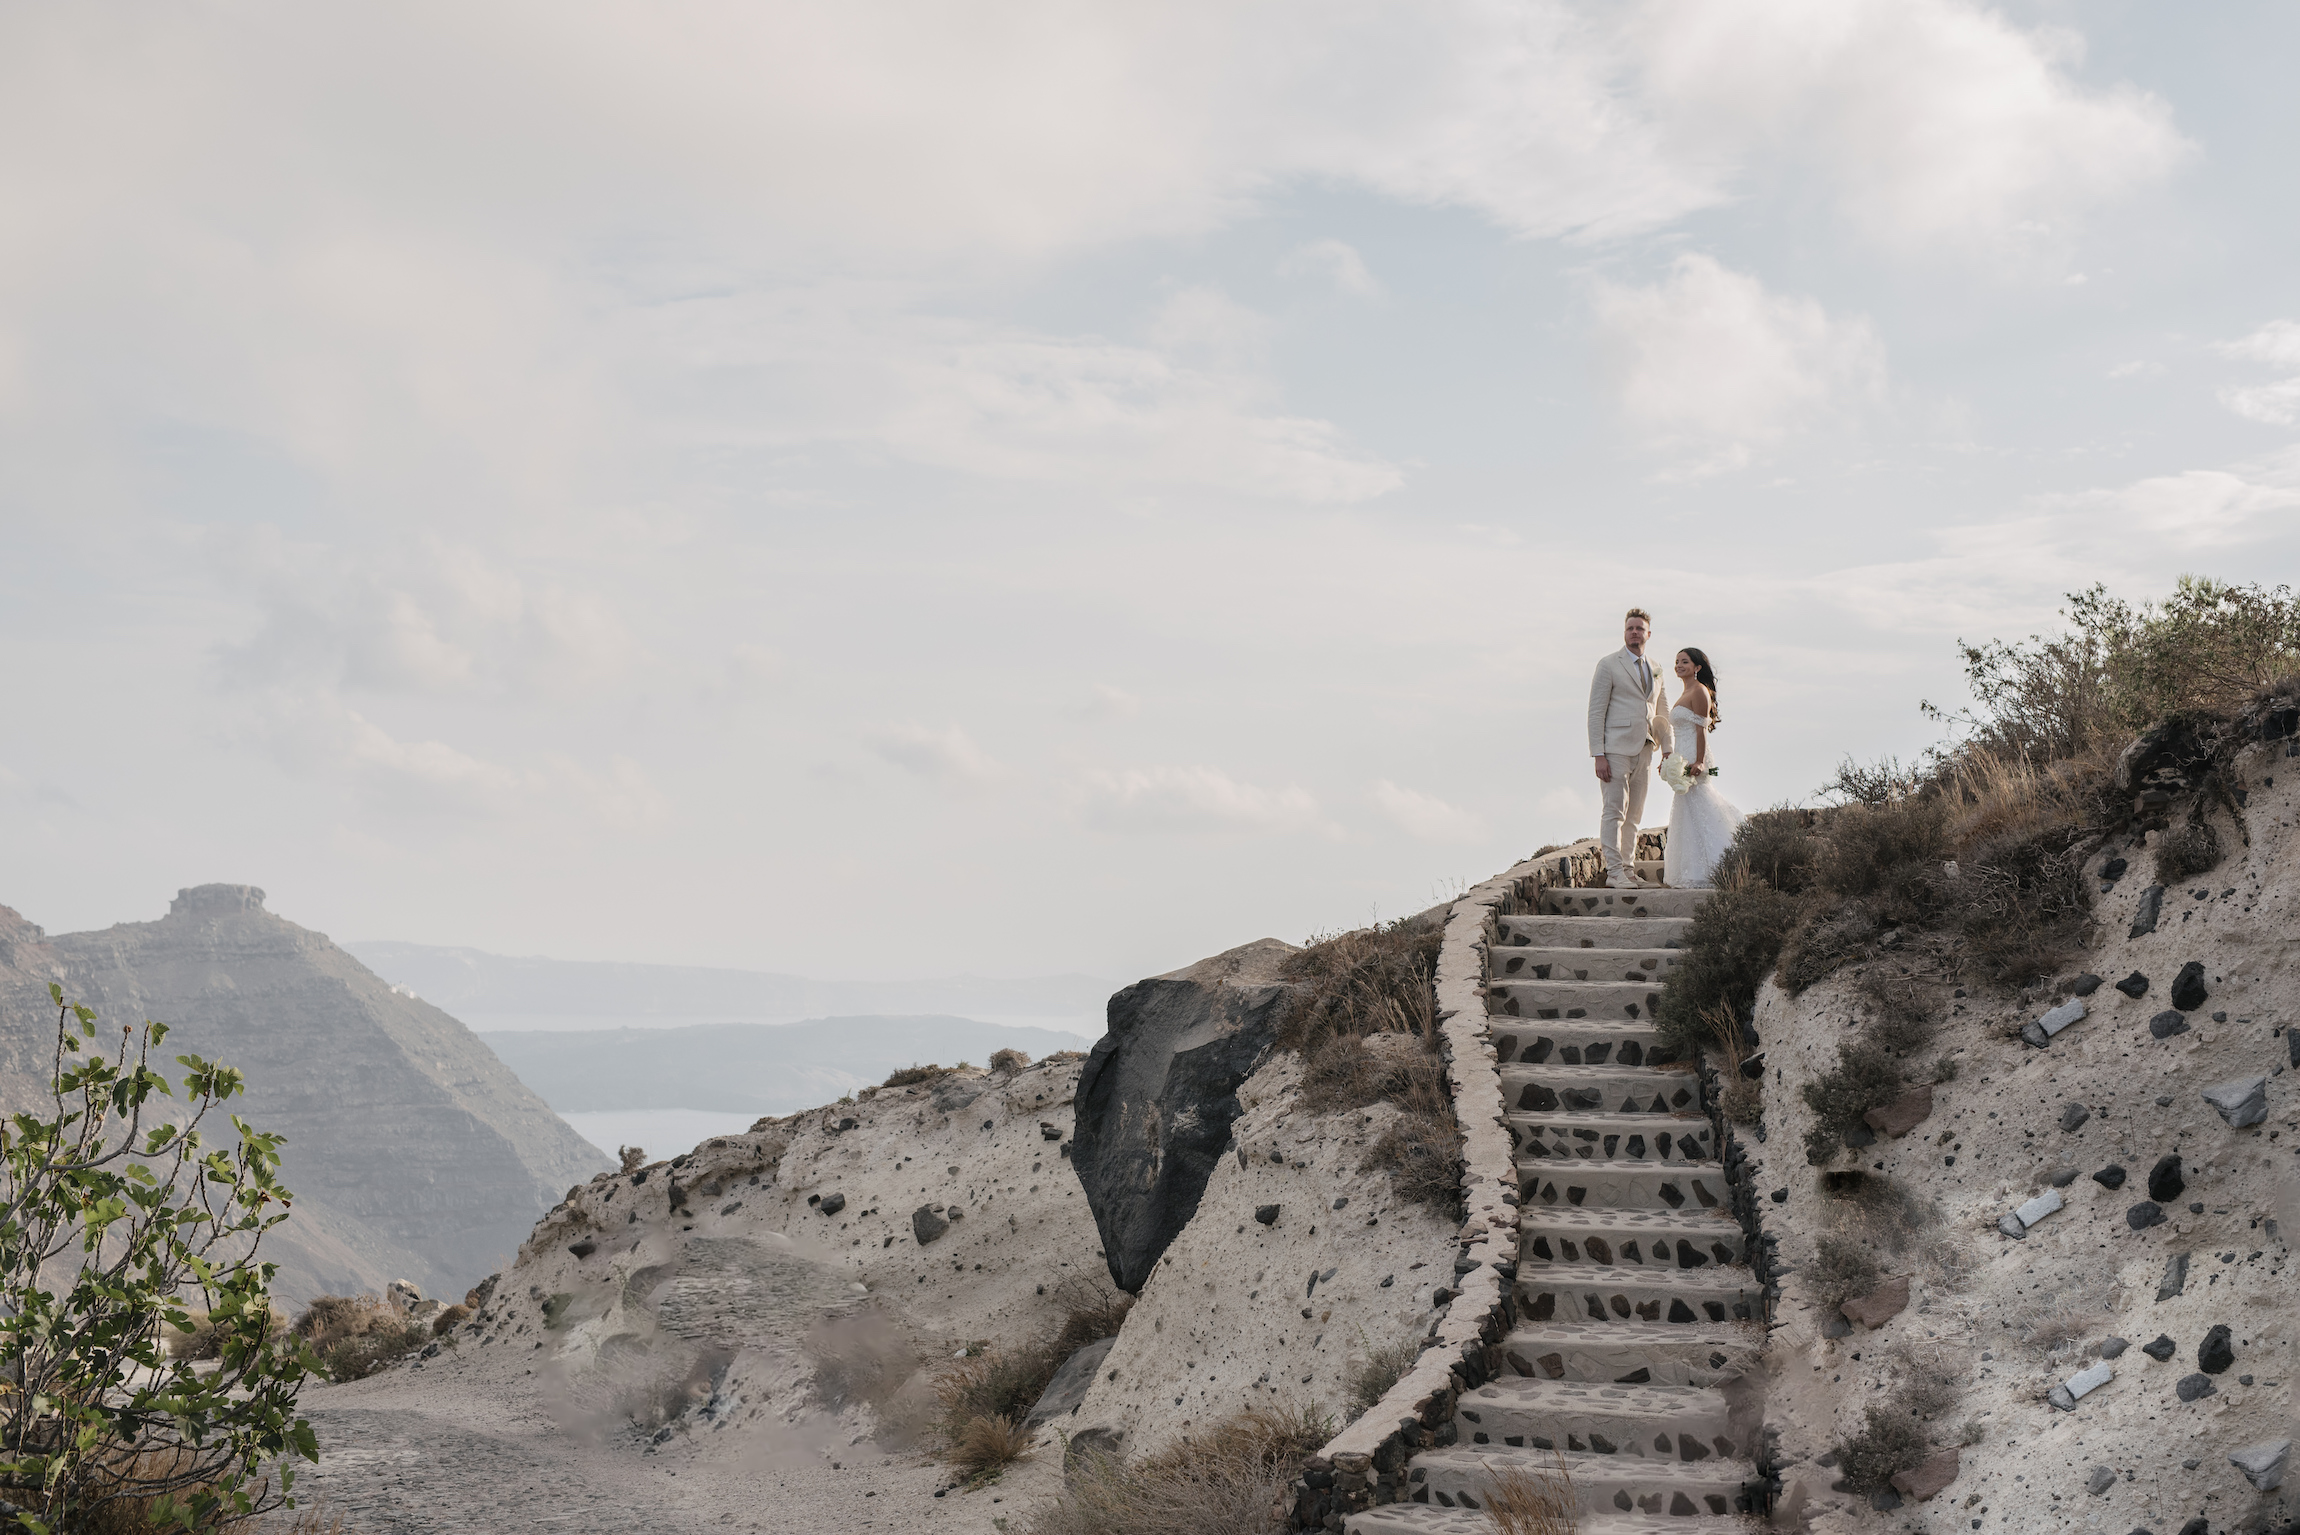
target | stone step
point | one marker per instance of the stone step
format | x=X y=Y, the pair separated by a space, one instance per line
x=1647 y=1239
x=1579 y=901
x=1552 y=1087
x=1624 y=1296
x=1597 y=1001
x=1680 y=1424
x=1673 y=1139
x=1581 y=1043
x=1527 y=930
x=1431 y=1519
x=1623 y=1185
x=1628 y=1483
x=1638 y=967
x=1634 y=1353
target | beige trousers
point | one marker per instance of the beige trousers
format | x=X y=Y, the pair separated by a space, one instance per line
x=1624 y=808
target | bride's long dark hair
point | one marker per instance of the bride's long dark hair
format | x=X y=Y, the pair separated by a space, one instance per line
x=1706 y=675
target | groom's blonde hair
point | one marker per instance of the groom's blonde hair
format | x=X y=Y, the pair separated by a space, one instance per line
x=1638 y=613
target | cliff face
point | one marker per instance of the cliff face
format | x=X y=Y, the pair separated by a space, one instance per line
x=413 y=1152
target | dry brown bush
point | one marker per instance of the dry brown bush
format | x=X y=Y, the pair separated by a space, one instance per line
x=1383 y=1366
x=1005 y=1383
x=452 y=1317
x=357 y=1335
x=1889 y=1440
x=2187 y=851
x=1541 y=1502
x=911 y=1076
x=1864 y=1078
x=986 y=1444
x=1376 y=980
x=1232 y=1478
x=1842 y=1268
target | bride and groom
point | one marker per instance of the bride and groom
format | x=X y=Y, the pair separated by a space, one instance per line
x=1627 y=721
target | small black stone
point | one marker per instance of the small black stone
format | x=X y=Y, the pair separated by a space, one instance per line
x=2164 y=1100
x=2113 y=1348
x=1780 y=1196
x=2192 y=1387
x=2188 y=992
x=833 y=1203
x=2134 y=985
x=1267 y=1214
x=2215 y=1354
x=2160 y=1348
x=2166 y=1024
x=2113 y=869
x=2110 y=1177
x=2144 y=1215
x=584 y=1248
x=2064 y=1177
x=2219 y=1017
x=2164 y=1181
x=2073 y=1117
x=2196 y=1207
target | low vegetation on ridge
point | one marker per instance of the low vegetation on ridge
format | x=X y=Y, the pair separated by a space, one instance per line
x=1967 y=869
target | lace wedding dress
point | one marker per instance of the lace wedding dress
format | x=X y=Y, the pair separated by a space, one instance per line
x=1701 y=821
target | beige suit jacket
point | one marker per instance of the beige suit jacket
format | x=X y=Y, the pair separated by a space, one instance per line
x=1622 y=720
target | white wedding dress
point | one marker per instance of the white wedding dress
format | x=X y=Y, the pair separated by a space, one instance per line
x=1701 y=822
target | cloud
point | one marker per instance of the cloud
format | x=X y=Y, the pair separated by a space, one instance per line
x=312 y=734
x=944 y=756
x=1938 y=124
x=2273 y=404
x=2200 y=508
x=429 y=617
x=1425 y=816
x=1709 y=367
x=1336 y=262
x=1105 y=702
x=1194 y=799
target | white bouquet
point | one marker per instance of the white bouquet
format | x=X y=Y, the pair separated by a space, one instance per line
x=1679 y=775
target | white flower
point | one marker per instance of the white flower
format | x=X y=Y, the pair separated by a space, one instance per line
x=1675 y=773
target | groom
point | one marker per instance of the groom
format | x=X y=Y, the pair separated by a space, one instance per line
x=1627 y=720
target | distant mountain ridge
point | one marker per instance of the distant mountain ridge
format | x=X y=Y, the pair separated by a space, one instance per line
x=412 y=1150
x=749 y=1068
x=472 y=983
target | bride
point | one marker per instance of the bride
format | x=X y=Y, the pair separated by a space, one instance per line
x=1702 y=821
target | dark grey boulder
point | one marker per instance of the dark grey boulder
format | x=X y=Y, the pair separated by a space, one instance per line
x=2113 y=1348
x=2165 y=1184
x=832 y=1204
x=2110 y=1177
x=2134 y=985
x=2188 y=993
x=2072 y=1119
x=2166 y=1024
x=926 y=1225
x=2160 y=1348
x=1064 y=1394
x=2084 y=985
x=2192 y=1387
x=2144 y=1215
x=2215 y=1354
x=1157 y=1096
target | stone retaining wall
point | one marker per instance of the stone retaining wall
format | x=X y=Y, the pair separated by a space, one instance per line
x=1362 y=1464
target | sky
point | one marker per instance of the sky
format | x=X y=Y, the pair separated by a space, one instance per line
x=907 y=489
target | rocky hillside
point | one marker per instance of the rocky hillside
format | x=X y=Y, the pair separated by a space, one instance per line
x=2072 y=1251
x=414 y=1153
x=788 y=1297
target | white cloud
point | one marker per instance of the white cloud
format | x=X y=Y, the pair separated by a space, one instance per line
x=1939 y=124
x=430 y=617
x=946 y=756
x=1105 y=702
x=2277 y=403
x=314 y=735
x=1709 y=367
x=2135 y=369
x=1194 y=799
x=2200 y=508
x=1425 y=816
x=1335 y=262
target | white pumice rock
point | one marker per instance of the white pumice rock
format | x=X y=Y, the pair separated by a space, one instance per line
x=2263 y=1464
x=2038 y=1208
x=2090 y=1379
x=2061 y=1017
x=2241 y=1102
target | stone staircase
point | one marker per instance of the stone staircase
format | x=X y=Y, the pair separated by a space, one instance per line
x=1636 y=1308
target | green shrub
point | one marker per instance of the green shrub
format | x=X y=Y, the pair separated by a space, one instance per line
x=1825 y=945
x=1735 y=941
x=119 y=1230
x=1865 y=1078
x=1885 y=851
x=1889 y=1441
x=1773 y=847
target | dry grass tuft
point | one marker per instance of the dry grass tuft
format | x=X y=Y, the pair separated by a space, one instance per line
x=1007 y=1062
x=1889 y=1440
x=912 y=1076
x=2187 y=851
x=453 y=1317
x=1383 y=1367
x=1005 y=1383
x=1233 y=1478
x=985 y=1445
x=1540 y=1502
x=1842 y=1268
x=1864 y=1078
